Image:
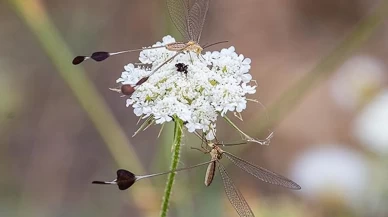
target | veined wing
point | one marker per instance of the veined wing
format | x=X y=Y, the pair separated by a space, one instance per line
x=179 y=13
x=197 y=16
x=261 y=173
x=234 y=195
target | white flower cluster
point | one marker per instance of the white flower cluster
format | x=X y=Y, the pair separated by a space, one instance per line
x=212 y=85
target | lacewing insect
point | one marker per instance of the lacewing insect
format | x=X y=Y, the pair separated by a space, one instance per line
x=125 y=179
x=234 y=195
x=187 y=18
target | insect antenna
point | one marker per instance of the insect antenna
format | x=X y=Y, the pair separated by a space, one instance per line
x=103 y=55
x=215 y=43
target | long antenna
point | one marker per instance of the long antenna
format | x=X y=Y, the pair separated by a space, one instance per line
x=171 y=171
x=125 y=179
x=103 y=55
x=215 y=43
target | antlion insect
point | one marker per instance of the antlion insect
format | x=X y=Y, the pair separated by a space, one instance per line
x=125 y=179
x=187 y=18
x=234 y=195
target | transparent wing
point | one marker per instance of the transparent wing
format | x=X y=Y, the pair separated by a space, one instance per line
x=234 y=195
x=261 y=173
x=179 y=12
x=197 y=16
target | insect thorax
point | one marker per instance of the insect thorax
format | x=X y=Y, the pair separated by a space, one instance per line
x=215 y=153
x=194 y=47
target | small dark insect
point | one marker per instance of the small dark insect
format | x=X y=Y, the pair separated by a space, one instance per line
x=181 y=67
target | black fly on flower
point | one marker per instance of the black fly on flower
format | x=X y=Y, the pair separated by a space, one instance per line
x=181 y=67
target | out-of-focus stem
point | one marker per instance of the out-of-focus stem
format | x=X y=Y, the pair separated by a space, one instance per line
x=36 y=18
x=326 y=67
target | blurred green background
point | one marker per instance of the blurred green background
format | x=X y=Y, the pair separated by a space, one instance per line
x=322 y=75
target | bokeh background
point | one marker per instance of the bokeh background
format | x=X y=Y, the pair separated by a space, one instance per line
x=61 y=127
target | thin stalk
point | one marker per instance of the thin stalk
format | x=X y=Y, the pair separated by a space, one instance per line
x=36 y=18
x=178 y=126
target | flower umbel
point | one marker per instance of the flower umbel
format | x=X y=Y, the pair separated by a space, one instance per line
x=194 y=88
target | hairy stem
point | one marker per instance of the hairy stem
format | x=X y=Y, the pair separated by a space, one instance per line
x=174 y=164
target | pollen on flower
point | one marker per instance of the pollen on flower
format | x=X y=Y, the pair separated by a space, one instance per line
x=215 y=83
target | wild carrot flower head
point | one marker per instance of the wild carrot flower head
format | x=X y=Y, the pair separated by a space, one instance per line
x=194 y=88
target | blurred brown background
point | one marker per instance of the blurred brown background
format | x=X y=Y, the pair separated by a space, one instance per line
x=51 y=150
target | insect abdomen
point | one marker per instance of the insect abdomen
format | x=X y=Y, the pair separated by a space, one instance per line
x=176 y=46
x=210 y=172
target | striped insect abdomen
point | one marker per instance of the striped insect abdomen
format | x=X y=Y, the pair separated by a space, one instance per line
x=176 y=46
x=210 y=172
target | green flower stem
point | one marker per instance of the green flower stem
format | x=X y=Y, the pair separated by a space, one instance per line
x=174 y=164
